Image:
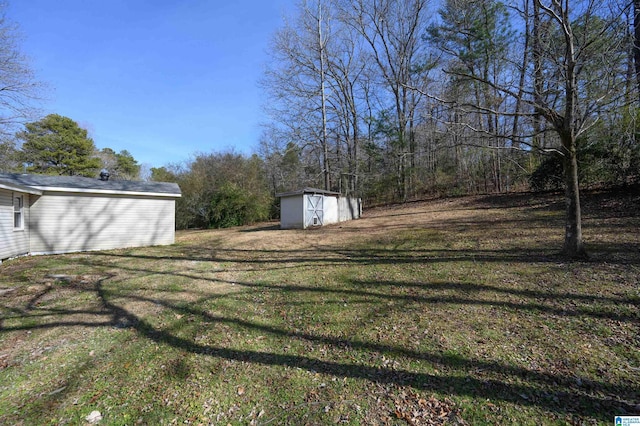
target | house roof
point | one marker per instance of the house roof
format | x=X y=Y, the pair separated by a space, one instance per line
x=307 y=191
x=28 y=183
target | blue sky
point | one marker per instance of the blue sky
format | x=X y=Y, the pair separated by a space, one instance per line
x=162 y=79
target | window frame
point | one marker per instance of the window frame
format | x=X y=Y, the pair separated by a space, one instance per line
x=18 y=212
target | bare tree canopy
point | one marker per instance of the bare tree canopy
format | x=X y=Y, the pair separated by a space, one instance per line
x=19 y=89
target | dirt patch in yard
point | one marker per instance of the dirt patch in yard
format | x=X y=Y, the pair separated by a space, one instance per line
x=268 y=238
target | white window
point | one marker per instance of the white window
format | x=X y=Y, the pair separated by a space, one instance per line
x=18 y=212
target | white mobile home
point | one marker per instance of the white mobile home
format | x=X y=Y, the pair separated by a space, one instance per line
x=310 y=207
x=42 y=214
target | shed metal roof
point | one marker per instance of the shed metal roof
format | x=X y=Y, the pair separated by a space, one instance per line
x=89 y=185
x=307 y=191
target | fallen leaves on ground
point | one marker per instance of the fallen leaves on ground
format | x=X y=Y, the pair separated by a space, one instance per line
x=418 y=410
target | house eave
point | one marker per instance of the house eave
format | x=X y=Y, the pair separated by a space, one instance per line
x=105 y=192
x=20 y=188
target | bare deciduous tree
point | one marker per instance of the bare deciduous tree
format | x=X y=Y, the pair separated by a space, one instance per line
x=297 y=79
x=583 y=74
x=18 y=86
x=392 y=31
x=577 y=74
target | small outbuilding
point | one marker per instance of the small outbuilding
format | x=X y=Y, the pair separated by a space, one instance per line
x=42 y=214
x=310 y=207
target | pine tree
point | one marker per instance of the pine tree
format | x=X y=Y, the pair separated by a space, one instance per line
x=57 y=145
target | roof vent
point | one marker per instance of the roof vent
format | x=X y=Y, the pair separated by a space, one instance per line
x=104 y=175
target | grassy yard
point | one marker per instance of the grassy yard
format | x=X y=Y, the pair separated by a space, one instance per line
x=453 y=311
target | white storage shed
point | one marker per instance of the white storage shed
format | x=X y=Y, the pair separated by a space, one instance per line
x=310 y=207
x=41 y=214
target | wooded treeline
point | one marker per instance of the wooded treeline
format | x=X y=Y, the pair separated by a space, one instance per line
x=392 y=100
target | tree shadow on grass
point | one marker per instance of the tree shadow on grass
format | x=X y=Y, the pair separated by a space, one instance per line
x=258 y=259
x=363 y=288
x=554 y=392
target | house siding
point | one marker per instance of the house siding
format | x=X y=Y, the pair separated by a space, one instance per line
x=69 y=222
x=13 y=242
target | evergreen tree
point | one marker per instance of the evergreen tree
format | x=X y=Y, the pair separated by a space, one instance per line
x=58 y=145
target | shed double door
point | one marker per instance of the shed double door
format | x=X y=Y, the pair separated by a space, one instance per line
x=315 y=210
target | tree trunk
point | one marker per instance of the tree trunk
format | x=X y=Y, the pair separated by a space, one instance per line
x=636 y=39
x=325 y=141
x=538 y=85
x=523 y=74
x=573 y=246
